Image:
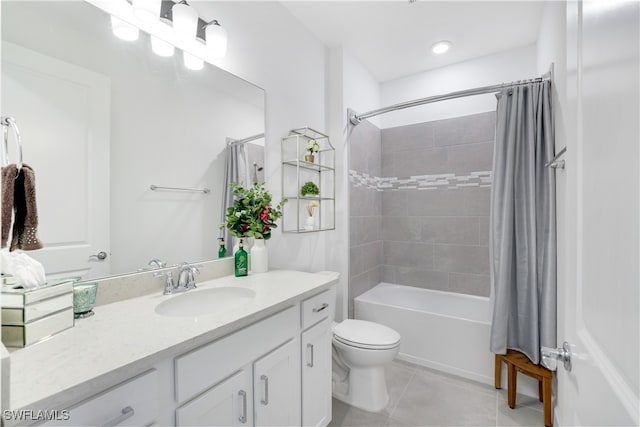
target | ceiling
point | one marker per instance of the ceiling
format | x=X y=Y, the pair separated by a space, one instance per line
x=393 y=38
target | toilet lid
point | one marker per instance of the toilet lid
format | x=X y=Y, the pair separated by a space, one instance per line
x=362 y=333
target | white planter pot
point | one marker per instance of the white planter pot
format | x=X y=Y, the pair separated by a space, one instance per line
x=259 y=257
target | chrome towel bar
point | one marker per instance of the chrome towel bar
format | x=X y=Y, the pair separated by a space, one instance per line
x=192 y=190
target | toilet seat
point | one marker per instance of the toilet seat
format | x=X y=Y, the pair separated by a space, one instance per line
x=365 y=334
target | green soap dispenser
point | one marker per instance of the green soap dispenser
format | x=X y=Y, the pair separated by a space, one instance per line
x=242 y=264
x=222 y=250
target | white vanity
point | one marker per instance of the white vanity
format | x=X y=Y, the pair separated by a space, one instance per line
x=264 y=362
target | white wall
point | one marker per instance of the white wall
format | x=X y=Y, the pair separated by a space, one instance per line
x=507 y=66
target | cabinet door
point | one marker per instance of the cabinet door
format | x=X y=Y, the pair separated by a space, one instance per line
x=226 y=404
x=276 y=384
x=316 y=375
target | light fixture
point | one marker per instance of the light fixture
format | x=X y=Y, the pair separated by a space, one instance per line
x=441 y=47
x=216 y=39
x=192 y=62
x=147 y=10
x=185 y=21
x=123 y=30
x=161 y=47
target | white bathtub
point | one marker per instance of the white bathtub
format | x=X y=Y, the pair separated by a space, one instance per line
x=440 y=330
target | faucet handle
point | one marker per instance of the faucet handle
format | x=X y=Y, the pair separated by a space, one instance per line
x=157 y=263
x=168 y=284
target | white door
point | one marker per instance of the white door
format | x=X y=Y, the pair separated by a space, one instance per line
x=316 y=375
x=227 y=404
x=276 y=385
x=598 y=312
x=63 y=112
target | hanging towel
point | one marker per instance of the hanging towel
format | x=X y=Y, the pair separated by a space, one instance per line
x=8 y=184
x=25 y=221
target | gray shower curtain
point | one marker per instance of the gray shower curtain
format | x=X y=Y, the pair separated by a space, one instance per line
x=236 y=170
x=523 y=228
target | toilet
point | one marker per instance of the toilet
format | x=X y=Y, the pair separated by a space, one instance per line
x=361 y=349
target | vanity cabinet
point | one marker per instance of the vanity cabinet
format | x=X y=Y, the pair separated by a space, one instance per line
x=132 y=403
x=276 y=384
x=229 y=403
x=316 y=375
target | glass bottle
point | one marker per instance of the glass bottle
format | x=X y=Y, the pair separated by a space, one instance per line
x=222 y=250
x=241 y=261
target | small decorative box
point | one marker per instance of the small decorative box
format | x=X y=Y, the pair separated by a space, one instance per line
x=31 y=315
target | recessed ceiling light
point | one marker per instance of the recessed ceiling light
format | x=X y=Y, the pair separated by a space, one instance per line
x=441 y=47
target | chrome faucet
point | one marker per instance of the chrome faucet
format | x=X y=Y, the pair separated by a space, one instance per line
x=186 y=277
x=157 y=263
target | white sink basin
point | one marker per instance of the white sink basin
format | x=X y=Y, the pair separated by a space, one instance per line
x=207 y=301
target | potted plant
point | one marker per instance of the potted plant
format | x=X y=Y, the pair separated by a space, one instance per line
x=252 y=215
x=312 y=147
x=309 y=188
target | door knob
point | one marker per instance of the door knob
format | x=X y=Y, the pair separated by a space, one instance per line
x=101 y=256
x=553 y=354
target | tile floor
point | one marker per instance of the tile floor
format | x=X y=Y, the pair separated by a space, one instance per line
x=423 y=397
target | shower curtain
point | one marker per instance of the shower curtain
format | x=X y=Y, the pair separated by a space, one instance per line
x=236 y=170
x=523 y=228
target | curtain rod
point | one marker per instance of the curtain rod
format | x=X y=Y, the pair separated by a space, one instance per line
x=355 y=119
x=245 y=140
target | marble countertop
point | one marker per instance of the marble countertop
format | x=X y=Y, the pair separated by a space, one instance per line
x=125 y=338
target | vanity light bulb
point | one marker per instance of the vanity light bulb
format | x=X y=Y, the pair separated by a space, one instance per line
x=192 y=62
x=147 y=10
x=185 y=21
x=216 y=38
x=161 y=47
x=124 y=30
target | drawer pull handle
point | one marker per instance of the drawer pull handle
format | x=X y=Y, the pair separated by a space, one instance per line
x=310 y=364
x=265 y=400
x=243 y=417
x=320 y=308
x=127 y=413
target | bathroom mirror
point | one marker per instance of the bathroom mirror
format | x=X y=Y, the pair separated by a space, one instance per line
x=102 y=120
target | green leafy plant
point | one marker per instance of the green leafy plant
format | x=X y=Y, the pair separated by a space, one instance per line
x=309 y=188
x=313 y=146
x=252 y=214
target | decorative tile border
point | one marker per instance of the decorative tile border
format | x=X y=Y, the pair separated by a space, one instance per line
x=445 y=181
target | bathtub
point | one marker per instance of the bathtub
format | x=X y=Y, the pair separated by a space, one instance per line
x=440 y=330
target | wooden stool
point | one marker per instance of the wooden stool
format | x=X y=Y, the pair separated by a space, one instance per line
x=517 y=361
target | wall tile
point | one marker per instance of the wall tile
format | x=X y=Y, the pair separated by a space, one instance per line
x=464 y=159
x=457 y=230
x=420 y=162
x=408 y=254
x=394 y=203
x=472 y=284
x=364 y=148
x=365 y=257
x=477 y=201
x=436 y=202
x=408 y=137
x=364 y=229
x=461 y=259
x=401 y=228
x=465 y=130
x=483 y=222
x=417 y=277
x=364 y=201
x=389 y=273
x=363 y=282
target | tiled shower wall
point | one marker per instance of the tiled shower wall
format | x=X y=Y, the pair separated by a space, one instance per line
x=365 y=209
x=435 y=229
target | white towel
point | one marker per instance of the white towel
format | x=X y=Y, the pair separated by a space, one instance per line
x=27 y=271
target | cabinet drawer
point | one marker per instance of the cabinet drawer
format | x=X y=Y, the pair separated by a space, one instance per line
x=318 y=307
x=132 y=403
x=205 y=366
